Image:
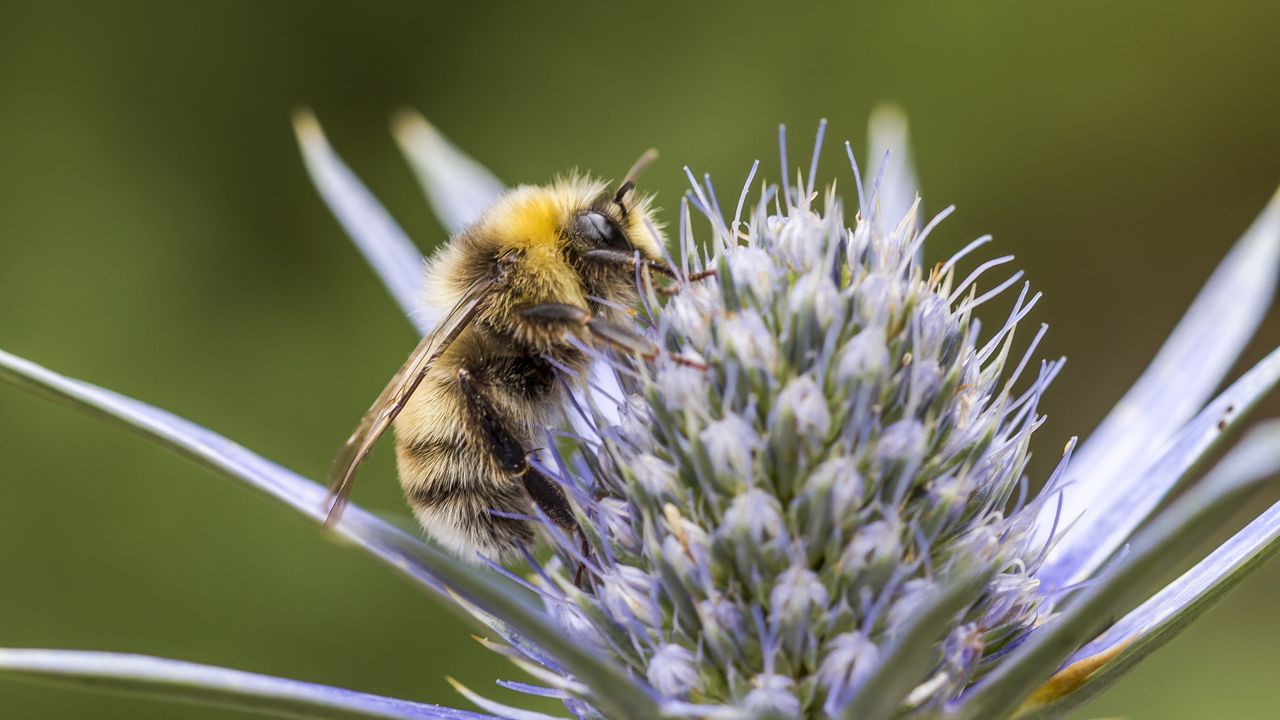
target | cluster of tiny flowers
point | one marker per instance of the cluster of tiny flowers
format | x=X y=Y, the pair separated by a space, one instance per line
x=828 y=455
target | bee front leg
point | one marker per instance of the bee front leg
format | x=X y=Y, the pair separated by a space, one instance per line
x=511 y=455
x=617 y=336
x=623 y=259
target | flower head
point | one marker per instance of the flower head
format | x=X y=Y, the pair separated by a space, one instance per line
x=858 y=452
x=814 y=501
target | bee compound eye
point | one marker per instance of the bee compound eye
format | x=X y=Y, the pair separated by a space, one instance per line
x=603 y=230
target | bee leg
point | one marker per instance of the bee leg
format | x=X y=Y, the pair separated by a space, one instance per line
x=547 y=495
x=511 y=456
x=620 y=258
x=618 y=336
x=669 y=290
x=586 y=552
x=513 y=459
x=624 y=338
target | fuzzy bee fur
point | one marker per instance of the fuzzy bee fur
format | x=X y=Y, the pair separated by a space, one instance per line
x=516 y=296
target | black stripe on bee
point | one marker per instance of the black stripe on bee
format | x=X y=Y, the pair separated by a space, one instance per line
x=440 y=492
x=520 y=377
x=433 y=452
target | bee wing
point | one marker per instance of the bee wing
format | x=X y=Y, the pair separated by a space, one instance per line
x=393 y=397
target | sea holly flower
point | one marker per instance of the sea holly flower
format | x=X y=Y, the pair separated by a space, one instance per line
x=815 y=502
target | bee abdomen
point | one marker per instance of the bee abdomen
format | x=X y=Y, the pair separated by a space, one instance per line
x=426 y=455
x=455 y=496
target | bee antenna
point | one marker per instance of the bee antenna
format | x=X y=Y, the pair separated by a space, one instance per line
x=626 y=187
x=629 y=181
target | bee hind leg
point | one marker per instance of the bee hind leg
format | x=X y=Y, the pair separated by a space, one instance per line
x=513 y=459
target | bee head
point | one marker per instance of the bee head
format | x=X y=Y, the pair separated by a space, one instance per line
x=618 y=222
x=574 y=232
x=603 y=226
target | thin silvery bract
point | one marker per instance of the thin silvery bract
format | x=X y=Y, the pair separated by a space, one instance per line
x=814 y=499
x=1145 y=629
x=387 y=248
x=1113 y=490
x=189 y=682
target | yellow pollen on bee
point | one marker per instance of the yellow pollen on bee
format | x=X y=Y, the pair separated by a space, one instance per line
x=532 y=225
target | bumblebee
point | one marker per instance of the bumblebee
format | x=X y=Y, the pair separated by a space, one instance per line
x=518 y=297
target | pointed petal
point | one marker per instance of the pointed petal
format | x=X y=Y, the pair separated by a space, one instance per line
x=612 y=689
x=1158 y=620
x=506 y=711
x=391 y=253
x=371 y=534
x=535 y=690
x=1154 y=550
x=898 y=184
x=913 y=653
x=1110 y=524
x=1185 y=372
x=1192 y=592
x=458 y=188
x=207 y=685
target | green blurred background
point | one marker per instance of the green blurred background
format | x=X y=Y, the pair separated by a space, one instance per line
x=158 y=236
